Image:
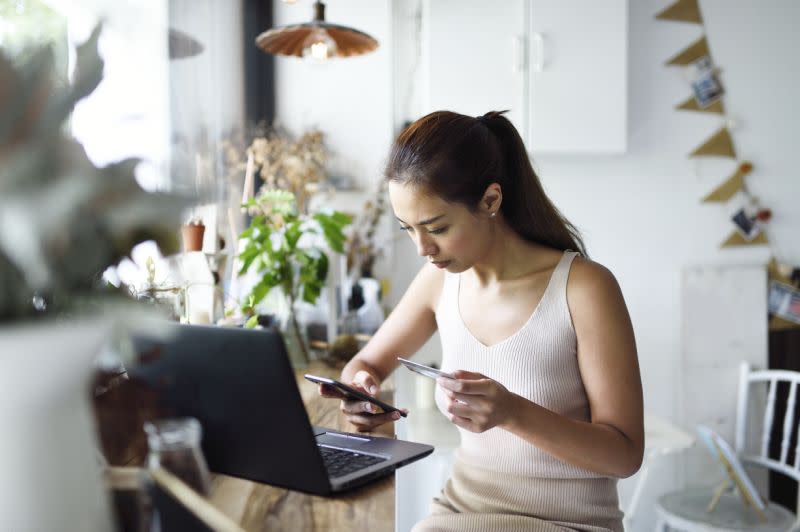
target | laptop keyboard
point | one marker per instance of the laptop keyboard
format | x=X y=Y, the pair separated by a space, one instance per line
x=340 y=463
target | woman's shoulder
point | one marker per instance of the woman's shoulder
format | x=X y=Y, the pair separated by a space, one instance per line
x=427 y=285
x=540 y=260
x=590 y=283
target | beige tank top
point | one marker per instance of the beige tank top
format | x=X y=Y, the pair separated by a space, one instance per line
x=538 y=362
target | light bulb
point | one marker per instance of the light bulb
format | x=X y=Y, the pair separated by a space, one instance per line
x=319 y=45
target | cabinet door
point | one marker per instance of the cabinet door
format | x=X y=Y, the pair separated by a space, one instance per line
x=476 y=57
x=578 y=76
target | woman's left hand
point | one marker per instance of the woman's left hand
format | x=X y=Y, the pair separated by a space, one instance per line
x=475 y=402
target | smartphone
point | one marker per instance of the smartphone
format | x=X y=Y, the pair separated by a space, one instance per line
x=353 y=393
x=422 y=369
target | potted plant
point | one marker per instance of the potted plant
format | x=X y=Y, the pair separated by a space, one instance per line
x=284 y=249
x=62 y=223
x=192 y=234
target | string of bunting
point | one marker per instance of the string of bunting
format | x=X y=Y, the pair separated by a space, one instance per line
x=748 y=221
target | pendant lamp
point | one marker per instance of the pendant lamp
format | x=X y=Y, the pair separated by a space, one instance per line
x=182 y=45
x=316 y=40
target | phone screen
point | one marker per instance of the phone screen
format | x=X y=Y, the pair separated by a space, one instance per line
x=353 y=393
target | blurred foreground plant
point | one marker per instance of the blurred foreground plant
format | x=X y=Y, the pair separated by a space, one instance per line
x=63 y=221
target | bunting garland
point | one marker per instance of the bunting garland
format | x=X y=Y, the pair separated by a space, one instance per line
x=731 y=186
x=695 y=51
x=682 y=11
x=719 y=144
x=780 y=276
x=691 y=105
x=750 y=219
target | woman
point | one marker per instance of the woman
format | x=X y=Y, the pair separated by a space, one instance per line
x=547 y=395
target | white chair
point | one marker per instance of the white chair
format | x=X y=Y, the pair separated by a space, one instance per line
x=687 y=510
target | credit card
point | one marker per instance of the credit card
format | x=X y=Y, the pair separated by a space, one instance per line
x=422 y=369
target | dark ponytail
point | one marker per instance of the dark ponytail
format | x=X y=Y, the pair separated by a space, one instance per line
x=457 y=156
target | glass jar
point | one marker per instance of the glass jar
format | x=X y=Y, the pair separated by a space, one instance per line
x=171 y=300
x=130 y=499
x=174 y=444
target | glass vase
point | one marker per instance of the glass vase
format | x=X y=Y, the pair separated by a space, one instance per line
x=174 y=444
x=295 y=340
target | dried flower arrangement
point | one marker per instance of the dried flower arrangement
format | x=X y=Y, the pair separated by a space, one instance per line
x=363 y=248
x=282 y=162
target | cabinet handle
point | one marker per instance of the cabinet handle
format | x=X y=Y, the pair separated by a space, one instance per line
x=538 y=38
x=519 y=54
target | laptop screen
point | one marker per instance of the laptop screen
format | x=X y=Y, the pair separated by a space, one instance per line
x=241 y=387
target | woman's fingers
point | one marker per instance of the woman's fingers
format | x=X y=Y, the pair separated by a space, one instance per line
x=360 y=407
x=367 y=382
x=465 y=386
x=464 y=423
x=468 y=375
x=329 y=391
x=367 y=416
x=461 y=398
x=368 y=422
x=460 y=408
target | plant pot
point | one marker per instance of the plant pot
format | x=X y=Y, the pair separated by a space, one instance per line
x=193 y=237
x=51 y=478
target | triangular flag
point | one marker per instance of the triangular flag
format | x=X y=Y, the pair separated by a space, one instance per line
x=776 y=323
x=691 y=54
x=731 y=186
x=774 y=272
x=719 y=144
x=691 y=105
x=738 y=240
x=682 y=11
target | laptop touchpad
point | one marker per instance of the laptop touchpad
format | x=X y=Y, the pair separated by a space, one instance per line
x=337 y=439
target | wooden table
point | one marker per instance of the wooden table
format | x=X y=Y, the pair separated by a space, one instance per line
x=259 y=507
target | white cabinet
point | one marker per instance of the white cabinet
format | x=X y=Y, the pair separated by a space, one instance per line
x=476 y=57
x=559 y=66
x=578 y=76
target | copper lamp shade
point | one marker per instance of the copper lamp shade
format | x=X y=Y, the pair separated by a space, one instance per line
x=182 y=45
x=294 y=39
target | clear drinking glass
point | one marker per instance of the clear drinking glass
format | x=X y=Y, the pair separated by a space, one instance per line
x=174 y=444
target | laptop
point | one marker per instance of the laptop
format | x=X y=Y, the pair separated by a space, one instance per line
x=240 y=385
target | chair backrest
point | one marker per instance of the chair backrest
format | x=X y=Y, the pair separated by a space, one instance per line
x=748 y=379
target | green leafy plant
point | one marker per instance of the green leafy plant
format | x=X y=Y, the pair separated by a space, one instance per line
x=63 y=221
x=282 y=246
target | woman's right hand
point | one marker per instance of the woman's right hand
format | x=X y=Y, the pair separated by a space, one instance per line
x=364 y=415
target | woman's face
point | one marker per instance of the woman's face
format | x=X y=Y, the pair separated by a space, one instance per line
x=447 y=234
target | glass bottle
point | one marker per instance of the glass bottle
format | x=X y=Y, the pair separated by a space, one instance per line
x=174 y=444
x=349 y=324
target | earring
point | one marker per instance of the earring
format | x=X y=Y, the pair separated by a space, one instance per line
x=493 y=215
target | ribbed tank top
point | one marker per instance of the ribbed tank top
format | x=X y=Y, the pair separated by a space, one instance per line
x=538 y=362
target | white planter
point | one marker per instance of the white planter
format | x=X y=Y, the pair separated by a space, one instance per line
x=49 y=473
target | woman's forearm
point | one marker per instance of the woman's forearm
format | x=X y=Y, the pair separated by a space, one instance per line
x=594 y=446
